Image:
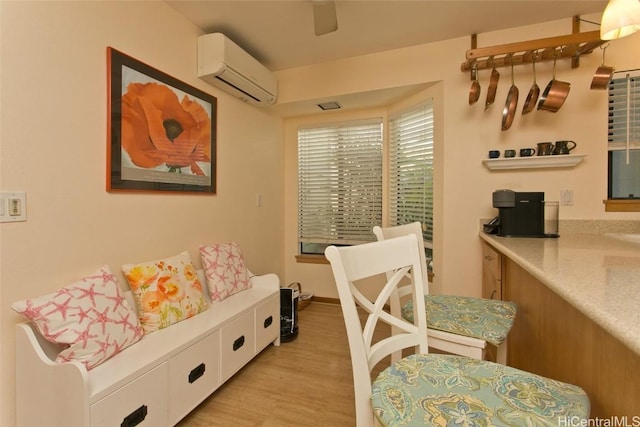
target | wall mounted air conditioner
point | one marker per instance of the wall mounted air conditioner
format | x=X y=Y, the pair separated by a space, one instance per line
x=227 y=66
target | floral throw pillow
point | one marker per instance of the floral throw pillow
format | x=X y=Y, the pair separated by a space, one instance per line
x=166 y=291
x=224 y=269
x=91 y=316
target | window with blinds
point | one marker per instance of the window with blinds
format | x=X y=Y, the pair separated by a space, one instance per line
x=411 y=169
x=339 y=184
x=624 y=135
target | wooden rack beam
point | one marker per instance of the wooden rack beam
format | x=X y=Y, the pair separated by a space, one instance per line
x=569 y=46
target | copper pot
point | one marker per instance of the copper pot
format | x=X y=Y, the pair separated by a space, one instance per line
x=603 y=74
x=554 y=94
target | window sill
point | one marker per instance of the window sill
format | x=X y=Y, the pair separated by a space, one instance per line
x=614 y=205
x=311 y=259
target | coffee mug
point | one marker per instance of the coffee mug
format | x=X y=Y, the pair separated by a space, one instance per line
x=545 y=148
x=509 y=153
x=564 y=147
x=494 y=154
x=526 y=152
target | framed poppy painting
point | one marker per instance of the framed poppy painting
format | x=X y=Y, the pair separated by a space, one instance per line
x=161 y=131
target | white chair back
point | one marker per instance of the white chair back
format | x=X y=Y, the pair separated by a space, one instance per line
x=373 y=260
x=414 y=228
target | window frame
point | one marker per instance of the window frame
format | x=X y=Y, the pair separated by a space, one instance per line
x=409 y=117
x=429 y=105
x=336 y=168
x=630 y=141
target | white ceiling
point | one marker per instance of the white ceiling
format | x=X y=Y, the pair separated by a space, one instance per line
x=280 y=33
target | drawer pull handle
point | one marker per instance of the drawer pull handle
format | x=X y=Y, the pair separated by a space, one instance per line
x=268 y=321
x=196 y=373
x=135 y=418
x=238 y=343
x=488 y=257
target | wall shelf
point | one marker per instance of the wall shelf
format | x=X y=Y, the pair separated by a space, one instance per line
x=535 y=162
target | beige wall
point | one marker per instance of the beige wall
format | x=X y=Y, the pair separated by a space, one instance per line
x=463 y=184
x=53 y=135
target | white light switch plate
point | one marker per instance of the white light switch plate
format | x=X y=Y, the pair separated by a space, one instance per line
x=13 y=206
x=566 y=197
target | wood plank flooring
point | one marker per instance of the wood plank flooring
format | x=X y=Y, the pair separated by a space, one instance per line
x=305 y=382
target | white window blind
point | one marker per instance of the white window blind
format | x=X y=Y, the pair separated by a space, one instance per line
x=339 y=182
x=624 y=110
x=411 y=169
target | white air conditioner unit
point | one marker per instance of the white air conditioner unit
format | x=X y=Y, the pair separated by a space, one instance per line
x=227 y=66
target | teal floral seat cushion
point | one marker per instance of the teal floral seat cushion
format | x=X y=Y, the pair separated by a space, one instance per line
x=485 y=319
x=446 y=390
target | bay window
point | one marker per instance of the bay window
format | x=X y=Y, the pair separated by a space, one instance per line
x=340 y=178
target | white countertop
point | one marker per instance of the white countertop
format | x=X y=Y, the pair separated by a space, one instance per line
x=599 y=274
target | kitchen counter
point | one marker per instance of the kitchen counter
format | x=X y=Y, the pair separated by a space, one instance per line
x=598 y=274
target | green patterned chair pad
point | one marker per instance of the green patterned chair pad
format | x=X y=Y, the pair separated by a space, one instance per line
x=485 y=319
x=445 y=390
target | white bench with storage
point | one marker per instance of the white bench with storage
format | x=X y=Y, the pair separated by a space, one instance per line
x=155 y=381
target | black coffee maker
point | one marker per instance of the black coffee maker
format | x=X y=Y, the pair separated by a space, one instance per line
x=520 y=214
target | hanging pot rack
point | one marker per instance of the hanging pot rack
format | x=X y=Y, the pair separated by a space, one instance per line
x=570 y=46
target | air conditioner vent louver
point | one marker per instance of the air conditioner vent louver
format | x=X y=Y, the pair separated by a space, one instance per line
x=227 y=66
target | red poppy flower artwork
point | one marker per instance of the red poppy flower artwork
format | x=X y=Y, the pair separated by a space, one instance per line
x=159 y=129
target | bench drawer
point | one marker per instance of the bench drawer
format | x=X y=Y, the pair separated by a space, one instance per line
x=142 y=402
x=237 y=344
x=267 y=322
x=193 y=376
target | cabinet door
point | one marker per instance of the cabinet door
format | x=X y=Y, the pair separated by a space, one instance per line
x=193 y=376
x=237 y=345
x=491 y=273
x=142 y=402
x=267 y=322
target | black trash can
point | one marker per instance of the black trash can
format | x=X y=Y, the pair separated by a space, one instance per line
x=289 y=312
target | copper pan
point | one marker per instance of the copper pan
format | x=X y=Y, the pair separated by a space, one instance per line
x=603 y=74
x=534 y=92
x=474 y=92
x=510 y=105
x=493 y=86
x=554 y=94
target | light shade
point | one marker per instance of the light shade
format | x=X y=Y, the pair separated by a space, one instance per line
x=619 y=19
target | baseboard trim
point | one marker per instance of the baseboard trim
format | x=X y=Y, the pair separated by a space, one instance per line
x=325 y=300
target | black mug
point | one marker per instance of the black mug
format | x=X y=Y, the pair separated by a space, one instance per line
x=564 y=147
x=527 y=152
x=545 y=148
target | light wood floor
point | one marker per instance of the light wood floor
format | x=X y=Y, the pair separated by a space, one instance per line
x=305 y=382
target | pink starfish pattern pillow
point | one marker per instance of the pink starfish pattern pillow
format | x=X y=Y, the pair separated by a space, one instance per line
x=224 y=269
x=166 y=290
x=91 y=316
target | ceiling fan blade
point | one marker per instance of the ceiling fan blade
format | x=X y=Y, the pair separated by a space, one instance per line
x=324 y=16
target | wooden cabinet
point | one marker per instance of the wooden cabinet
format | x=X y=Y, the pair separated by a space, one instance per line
x=552 y=338
x=491 y=273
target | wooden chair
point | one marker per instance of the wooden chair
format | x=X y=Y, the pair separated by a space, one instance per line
x=456 y=324
x=430 y=389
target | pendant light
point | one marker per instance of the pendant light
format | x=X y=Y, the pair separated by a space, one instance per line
x=620 y=19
